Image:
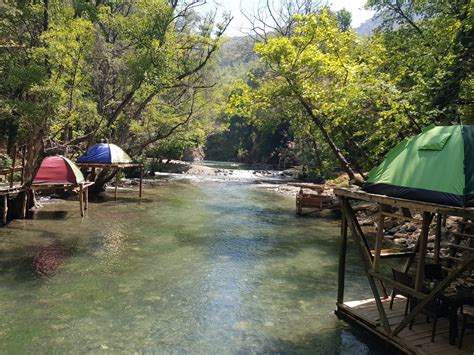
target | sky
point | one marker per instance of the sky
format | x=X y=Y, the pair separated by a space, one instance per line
x=239 y=25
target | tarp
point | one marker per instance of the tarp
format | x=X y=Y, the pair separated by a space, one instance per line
x=58 y=170
x=435 y=166
x=105 y=153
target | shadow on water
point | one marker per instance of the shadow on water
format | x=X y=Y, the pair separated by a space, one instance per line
x=38 y=261
x=52 y=215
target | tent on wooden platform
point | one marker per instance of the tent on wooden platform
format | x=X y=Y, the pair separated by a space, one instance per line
x=58 y=170
x=109 y=156
x=60 y=173
x=105 y=153
x=435 y=166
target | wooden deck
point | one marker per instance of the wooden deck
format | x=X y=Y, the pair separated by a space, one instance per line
x=415 y=341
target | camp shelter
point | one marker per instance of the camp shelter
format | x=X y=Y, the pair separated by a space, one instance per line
x=60 y=173
x=105 y=153
x=109 y=156
x=424 y=180
x=435 y=166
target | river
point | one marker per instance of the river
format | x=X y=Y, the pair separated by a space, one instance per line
x=196 y=266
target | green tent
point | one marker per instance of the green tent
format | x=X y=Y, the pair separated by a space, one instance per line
x=435 y=166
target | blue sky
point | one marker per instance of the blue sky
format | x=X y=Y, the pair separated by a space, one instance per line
x=239 y=24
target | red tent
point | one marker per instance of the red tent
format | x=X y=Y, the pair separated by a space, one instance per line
x=58 y=170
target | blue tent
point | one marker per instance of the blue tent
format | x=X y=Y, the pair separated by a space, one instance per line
x=105 y=153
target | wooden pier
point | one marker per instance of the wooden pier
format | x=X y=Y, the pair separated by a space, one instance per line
x=364 y=313
x=374 y=314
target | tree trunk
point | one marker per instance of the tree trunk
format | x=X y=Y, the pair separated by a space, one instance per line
x=345 y=165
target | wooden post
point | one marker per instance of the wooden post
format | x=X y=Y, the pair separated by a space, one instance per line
x=81 y=198
x=116 y=183
x=24 y=203
x=379 y=239
x=366 y=260
x=342 y=260
x=437 y=245
x=86 y=198
x=420 y=271
x=12 y=174
x=5 y=209
x=141 y=181
x=23 y=158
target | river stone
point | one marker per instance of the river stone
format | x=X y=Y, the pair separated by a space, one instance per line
x=366 y=222
x=430 y=245
x=411 y=227
x=393 y=230
x=400 y=235
x=400 y=241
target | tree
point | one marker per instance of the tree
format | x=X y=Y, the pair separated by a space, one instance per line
x=130 y=72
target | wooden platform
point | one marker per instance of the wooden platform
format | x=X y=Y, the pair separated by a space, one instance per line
x=364 y=314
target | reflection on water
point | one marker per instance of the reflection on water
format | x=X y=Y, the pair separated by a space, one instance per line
x=197 y=268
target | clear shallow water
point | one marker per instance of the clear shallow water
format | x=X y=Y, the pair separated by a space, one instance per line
x=192 y=268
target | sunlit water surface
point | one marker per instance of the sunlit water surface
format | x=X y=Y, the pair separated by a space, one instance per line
x=191 y=268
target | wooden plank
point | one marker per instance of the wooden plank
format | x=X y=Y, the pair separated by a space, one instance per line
x=404 y=203
x=459 y=234
x=391 y=282
x=342 y=260
x=459 y=246
x=399 y=216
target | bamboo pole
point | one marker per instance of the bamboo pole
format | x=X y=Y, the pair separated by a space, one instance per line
x=366 y=260
x=342 y=260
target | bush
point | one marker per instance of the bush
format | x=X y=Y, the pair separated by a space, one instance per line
x=5 y=161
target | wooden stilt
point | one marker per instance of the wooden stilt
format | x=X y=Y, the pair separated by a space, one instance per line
x=141 y=181
x=5 y=209
x=367 y=261
x=24 y=204
x=81 y=200
x=342 y=260
x=23 y=158
x=379 y=239
x=116 y=183
x=437 y=245
x=12 y=174
x=86 y=198
x=420 y=270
